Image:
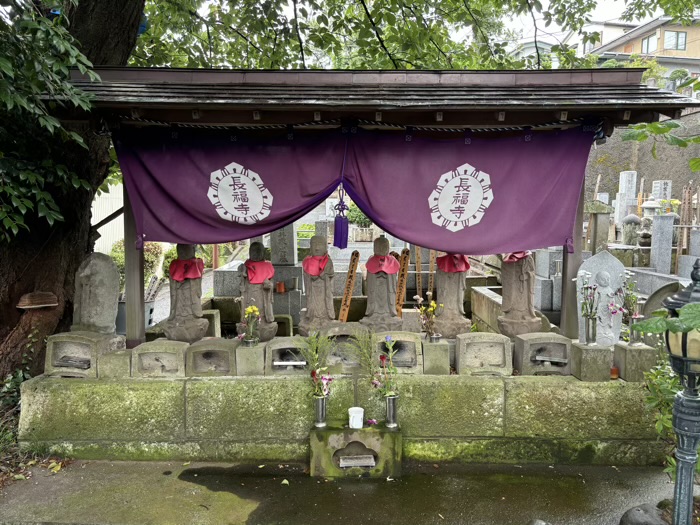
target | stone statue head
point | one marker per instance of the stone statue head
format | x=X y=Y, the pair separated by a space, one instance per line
x=381 y=246
x=185 y=251
x=603 y=279
x=319 y=246
x=256 y=252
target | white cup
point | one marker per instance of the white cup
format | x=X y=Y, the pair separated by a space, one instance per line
x=356 y=415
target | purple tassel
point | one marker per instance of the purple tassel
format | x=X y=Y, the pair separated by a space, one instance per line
x=340 y=232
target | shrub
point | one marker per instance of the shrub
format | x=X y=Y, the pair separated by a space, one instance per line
x=355 y=216
x=152 y=252
x=679 y=75
x=309 y=230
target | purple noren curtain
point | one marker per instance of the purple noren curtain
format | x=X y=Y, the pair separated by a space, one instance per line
x=475 y=196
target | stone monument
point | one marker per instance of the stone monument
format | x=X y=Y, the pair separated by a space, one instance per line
x=318 y=287
x=185 y=322
x=608 y=273
x=256 y=290
x=644 y=233
x=75 y=353
x=630 y=226
x=451 y=285
x=382 y=276
x=518 y=279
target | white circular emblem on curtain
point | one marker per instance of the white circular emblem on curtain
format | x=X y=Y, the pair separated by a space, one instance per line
x=460 y=198
x=239 y=195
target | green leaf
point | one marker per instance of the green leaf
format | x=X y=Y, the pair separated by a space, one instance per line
x=654 y=325
x=690 y=315
x=694 y=164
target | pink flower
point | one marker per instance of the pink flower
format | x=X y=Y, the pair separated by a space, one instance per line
x=371 y=421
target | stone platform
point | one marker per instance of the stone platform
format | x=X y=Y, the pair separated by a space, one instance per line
x=470 y=419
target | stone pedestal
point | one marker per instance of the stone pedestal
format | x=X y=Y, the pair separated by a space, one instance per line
x=211 y=357
x=542 y=354
x=410 y=320
x=76 y=354
x=662 y=243
x=633 y=360
x=114 y=365
x=159 y=358
x=694 y=245
x=330 y=444
x=482 y=353
x=382 y=323
x=517 y=305
x=266 y=331
x=214 y=318
x=591 y=363
x=283 y=350
x=436 y=358
x=409 y=358
x=544 y=292
x=343 y=359
x=250 y=360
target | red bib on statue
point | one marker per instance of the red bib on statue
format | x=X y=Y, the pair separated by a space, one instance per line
x=314 y=264
x=515 y=256
x=453 y=263
x=181 y=269
x=378 y=263
x=259 y=271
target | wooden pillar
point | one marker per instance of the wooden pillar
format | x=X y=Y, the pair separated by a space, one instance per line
x=571 y=264
x=133 y=262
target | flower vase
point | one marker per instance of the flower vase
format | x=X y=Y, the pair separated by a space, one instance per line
x=434 y=338
x=636 y=337
x=591 y=329
x=249 y=342
x=391 y=411
x=320 y=411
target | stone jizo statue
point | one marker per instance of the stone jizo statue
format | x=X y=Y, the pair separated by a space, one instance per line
x=256 y=290
x=451 y=284
x=382 y=276
x=185 y=322
x=318 y=286
x=96 y=295
x=518 y=306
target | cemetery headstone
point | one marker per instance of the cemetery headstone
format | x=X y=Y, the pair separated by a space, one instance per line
x=283 y=246
x=662 y=243
x=96 y=295
x=661 y=189
x=630 y=227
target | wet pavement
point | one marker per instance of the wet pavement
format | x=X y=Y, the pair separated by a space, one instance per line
x=175 y=493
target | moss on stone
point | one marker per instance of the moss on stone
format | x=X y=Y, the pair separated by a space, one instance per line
x=564 y=407
x=90 y=409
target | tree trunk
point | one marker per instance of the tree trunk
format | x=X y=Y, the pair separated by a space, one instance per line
x=46 y=258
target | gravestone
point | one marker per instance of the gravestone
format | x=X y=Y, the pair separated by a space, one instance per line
x=644 y=233
x=662 y=243
x=283 y=246
x=603 y=197
x=630 y=229
x=661 y=189
x=694 y=245
x=608 y=273
x=256 y=290
x=185 y=322
x=600 y=229
x=518 y=308
x=96 y=295
x=542 y=354
x=227 y=281
x=483 y=353
x=318 y=286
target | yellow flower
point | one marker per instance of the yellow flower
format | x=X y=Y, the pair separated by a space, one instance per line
x=252 y=310
x=442 y=305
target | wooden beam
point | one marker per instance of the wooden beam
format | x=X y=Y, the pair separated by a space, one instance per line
x=133 y=262
x=571 y=264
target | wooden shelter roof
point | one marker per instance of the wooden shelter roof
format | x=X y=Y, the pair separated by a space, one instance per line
x=415 y=98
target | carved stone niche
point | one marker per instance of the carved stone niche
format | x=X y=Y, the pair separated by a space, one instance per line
x=343 y=359
x=75 y=354
x=542 y=354
x=409 y=351
x=211 y=357
x=483 y=353
x=282 y=358
x=159 y=358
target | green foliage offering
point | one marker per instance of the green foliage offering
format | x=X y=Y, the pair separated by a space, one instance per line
x=364 y=346
x=152 y=252
x=315 y=350
x=662 y=384
x=35 y=54
x=355 y=216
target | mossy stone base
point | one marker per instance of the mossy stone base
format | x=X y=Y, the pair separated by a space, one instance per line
x=591 y=362
x=250 y=360
x=633 y=360
x=114 y=365
x=214 y=318
x=328 y=444
x=436 y=358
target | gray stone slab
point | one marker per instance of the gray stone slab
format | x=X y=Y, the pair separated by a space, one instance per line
x=340 y=279
x=160 y=358
x=283 y=246
x=250 y=360
x=543 y=293
x=600 y=229
x=289 y=303
x=482 y=353
x=214 y=318
x=694 y=245
x=661 y=189
x=287 y=274
x=284 y=350
x=545 y=261
x=685 y=265
x=633 y=360
x=211 y=357
x=542 y=354
x=591 y=363
x=114 y=365
x=556 y=294
x=411 y=321
x=227 y=280
x=436 y=358
x=409 y=357
x=662 y=243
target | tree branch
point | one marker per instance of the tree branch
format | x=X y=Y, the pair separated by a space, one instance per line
x=478 y=27
x=379 y=37
x=427 y=27
x=537 y=48
x=301 y=43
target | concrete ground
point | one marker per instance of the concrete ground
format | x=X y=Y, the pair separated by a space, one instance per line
x=127 y=493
